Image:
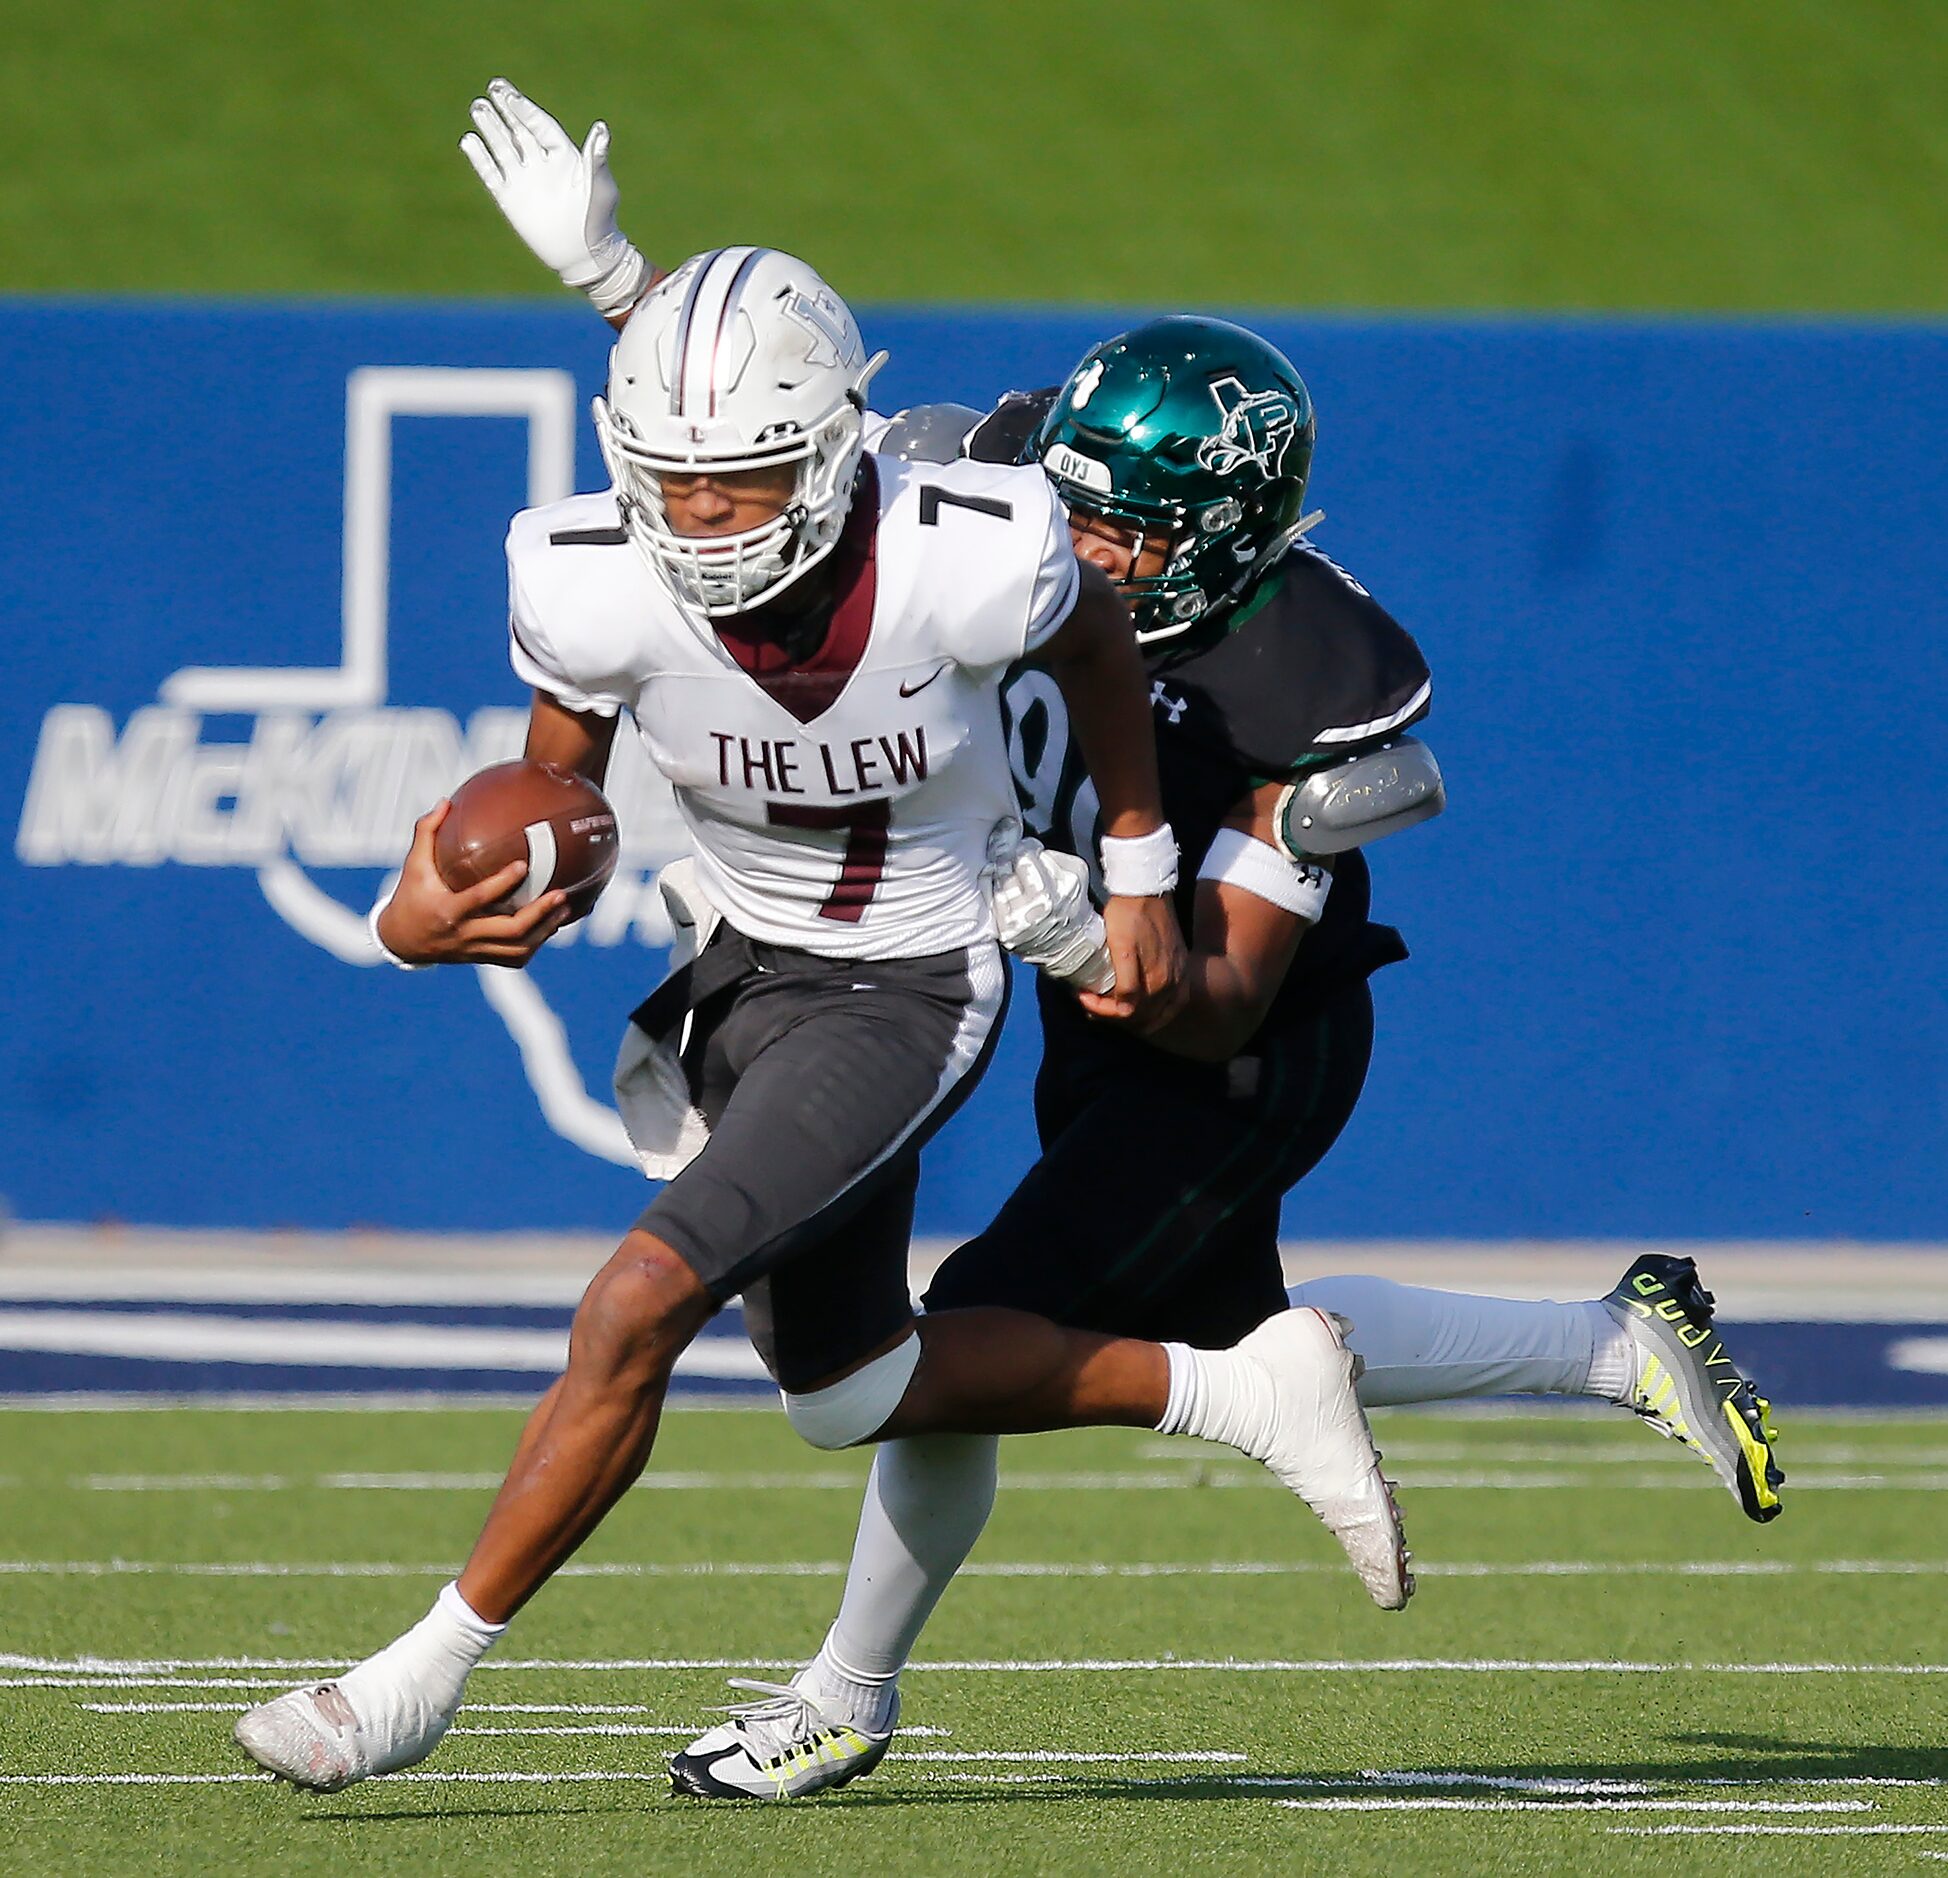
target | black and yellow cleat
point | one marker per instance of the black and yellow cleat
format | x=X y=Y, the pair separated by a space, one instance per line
x=790 y=1745
x=1688 y=1387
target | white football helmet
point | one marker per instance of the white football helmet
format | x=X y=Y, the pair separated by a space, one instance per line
x=741 y=359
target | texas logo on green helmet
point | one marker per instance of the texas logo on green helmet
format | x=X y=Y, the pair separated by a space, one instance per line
x=1256 y=427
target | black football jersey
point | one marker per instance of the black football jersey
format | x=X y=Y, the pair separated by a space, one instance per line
x=1313 y=670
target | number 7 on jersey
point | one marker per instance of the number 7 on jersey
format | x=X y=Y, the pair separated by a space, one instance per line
x=864 y=860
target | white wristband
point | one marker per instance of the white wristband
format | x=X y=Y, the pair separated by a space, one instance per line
x=1140 y=865
x=1259 y=868
x=621 y=285
x=379 y=945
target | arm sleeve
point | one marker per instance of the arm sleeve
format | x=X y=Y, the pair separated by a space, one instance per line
x=531 y=651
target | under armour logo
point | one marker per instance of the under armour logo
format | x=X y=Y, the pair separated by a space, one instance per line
x=1175 y=706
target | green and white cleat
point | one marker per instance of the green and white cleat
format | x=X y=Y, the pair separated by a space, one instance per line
x=1688 y=1387
x=792 y=1744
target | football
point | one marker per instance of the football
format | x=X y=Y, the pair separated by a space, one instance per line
x=556 y=821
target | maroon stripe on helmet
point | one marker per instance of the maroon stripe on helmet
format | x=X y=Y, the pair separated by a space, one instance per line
x=725 y=313
x=683 y=329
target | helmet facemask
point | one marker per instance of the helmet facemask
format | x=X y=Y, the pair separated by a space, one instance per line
x=722 y=575
x=1206 y=561
x=1197 y=431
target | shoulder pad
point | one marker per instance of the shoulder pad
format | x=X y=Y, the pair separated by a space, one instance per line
x=1003 y=434
x=928 y=433
x=580 y=602
x=590 y=521
x=988 y=546
x=1316 y=672
x=1364 y=798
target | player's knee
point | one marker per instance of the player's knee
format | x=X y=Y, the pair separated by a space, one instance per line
x=858 y=1406
x=637 y=1316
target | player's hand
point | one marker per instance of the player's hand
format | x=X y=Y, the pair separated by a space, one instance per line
x=560 y=200
x=1042 y=914
x=1147 y=949
x=427 y=923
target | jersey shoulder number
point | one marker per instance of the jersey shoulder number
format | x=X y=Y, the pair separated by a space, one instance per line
x=987 y=546
x=580 y=601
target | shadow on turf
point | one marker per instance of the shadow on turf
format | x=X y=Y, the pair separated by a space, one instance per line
x=1739 y=1757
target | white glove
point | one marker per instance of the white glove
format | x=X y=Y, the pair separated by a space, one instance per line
x=1042 y=914
x=561 y=201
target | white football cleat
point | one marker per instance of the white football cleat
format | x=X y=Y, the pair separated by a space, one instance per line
x=1319 y=1444
x=794 y=1743
x=332 y=1735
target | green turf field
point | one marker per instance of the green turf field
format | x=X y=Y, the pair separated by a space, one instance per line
x=1754 y=154
x=1151 y=1610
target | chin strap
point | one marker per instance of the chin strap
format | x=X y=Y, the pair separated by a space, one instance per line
x=1281 y=546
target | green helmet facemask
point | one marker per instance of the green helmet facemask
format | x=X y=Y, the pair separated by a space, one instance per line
x=1196 y=429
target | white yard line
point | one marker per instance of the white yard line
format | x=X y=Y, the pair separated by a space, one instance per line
x=1501 y=1783
x=1744 y=1830
x=1212 y=1758
x=1196 y=1479
x=1522 y=1783
x=488 y=1708
x=685 y=1731
x=316 y=1342
x=132 y=1671
x=1440 y=1803
x=991 y=1568
x=1635 y=1449
x=1434 y=1803
x=996 y=1757
x=316 y=1283
x=323 y=1402
x=144 y=1682
x=660 y=1778
x=473 y=1708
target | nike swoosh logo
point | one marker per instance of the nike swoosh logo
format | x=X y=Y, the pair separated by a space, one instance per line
x=907 y=691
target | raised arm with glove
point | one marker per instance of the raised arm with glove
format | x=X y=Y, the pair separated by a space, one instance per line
x=559 y=199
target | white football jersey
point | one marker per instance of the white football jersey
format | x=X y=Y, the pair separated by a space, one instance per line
x=843 y=804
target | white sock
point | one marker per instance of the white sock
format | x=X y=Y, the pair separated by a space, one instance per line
x=1613 y=1364
x=1215 y=1397
x=430 y=1663
x=926 y=1502
x=1421 y=1345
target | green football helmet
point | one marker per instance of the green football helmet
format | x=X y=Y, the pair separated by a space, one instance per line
x=1197 y=429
